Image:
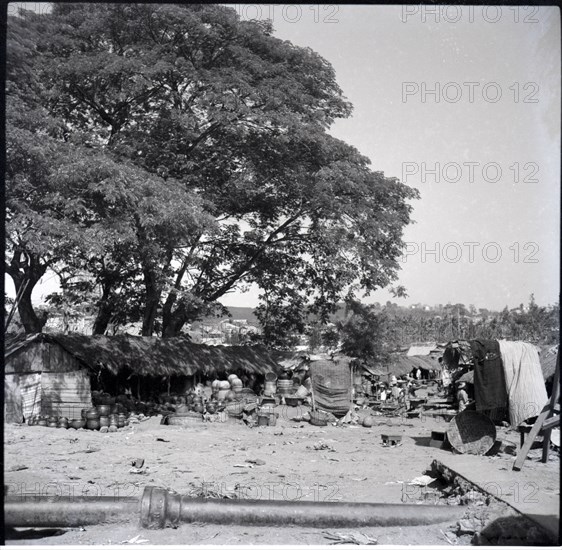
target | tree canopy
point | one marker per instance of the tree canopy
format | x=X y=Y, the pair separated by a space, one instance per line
x=171 y=154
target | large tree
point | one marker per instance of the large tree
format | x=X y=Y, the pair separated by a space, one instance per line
x=207 y=146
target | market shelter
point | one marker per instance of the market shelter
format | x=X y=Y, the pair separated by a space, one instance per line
x=54 y=374
x=507 y=376
x=43 y=377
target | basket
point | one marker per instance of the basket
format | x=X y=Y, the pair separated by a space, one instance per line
x=293 y=400
x=234 y=409
x=318 y=418
x=471 y=432
x=184 y=419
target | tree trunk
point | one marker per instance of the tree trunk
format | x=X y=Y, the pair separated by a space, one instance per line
x=27 y=268
x=152 y=292
x=105 y=311
x=29 y=319
x=174 y=325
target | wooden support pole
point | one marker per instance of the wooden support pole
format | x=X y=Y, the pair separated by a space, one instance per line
x=553 y=399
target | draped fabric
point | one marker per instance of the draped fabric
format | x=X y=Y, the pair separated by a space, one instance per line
x=490 y=391
x=331 y=386
x=524 y=380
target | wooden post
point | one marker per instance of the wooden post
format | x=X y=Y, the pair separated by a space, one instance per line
x=553 y=400
x=537 y=428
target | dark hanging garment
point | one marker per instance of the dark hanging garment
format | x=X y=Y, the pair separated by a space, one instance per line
x=489 y=379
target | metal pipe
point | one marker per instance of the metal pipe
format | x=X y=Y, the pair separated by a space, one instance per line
x=160 y=508
x=48 y=511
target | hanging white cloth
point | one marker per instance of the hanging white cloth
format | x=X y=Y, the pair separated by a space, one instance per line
x=523 y=379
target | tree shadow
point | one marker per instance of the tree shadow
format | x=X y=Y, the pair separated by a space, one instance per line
x=31 y=534
x=519 y=531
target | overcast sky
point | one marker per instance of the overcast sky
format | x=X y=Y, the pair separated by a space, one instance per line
x=387 y=60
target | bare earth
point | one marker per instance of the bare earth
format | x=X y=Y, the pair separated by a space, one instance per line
x=358 y=469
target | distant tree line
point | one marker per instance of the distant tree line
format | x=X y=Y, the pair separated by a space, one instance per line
x=372 y=332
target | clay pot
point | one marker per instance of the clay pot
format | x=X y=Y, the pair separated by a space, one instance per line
x=211 y=408
x=77 y=423
x=42 y=422
x=237 y=384
x=215 y=384
x=121 y=420
x=53 y=419
x=113 y=420
x=92 y=414
x=63 y=423
x=199 y=408
x=104 y=421
x=104 y=410
x=93 y=424
x=368 y=422
x=230 y=396
x=224 y=385
x=232 y=377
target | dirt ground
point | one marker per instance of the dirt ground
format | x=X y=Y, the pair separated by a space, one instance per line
x=350 y=464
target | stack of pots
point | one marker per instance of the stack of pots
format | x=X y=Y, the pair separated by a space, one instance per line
x=92 y=417
x=104 y=411
x=215 y=387
x=270 y=387
x=237 y=386
x=284 y=387
x=224 y=388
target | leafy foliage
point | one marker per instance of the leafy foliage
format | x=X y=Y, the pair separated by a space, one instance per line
x=188 y=157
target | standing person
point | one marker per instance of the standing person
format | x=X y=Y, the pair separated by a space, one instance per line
x=395 y=391
x=445 y=378
x=418 y=374
x=462 y=396
x=383 y=394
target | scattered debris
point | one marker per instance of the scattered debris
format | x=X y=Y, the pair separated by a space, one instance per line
x=138 y=463
x=321 y=446
x=451 y=538
x=351 y=538
x=134 y=540
x=422 y=481
x=469 y=526
x=163 y=440
x=17 y=468
x=256 y=461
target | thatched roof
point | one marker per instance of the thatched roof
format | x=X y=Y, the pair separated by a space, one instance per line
x=152 y=356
